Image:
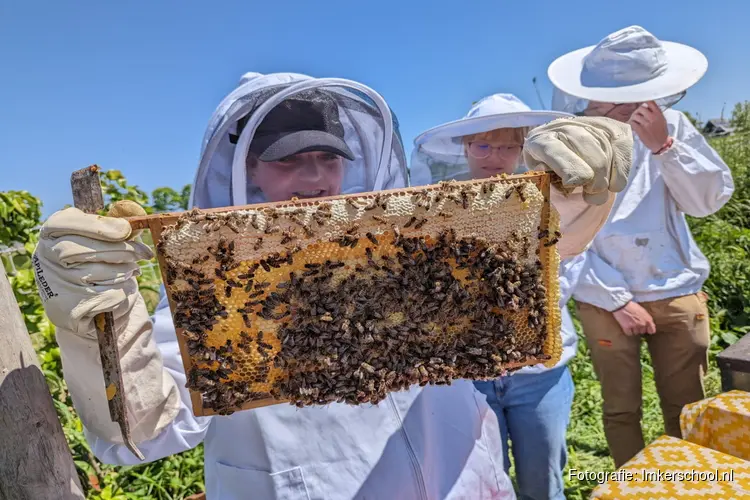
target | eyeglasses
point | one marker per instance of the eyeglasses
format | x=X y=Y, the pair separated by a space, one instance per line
x=482 y=150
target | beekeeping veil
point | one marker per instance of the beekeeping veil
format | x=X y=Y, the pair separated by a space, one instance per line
x=628 y=66
x=370 y=132
x=439 y=152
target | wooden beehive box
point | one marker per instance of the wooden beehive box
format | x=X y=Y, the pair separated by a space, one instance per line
x=348 y=298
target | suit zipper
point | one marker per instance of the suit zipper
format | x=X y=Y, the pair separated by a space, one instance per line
x=412 y=455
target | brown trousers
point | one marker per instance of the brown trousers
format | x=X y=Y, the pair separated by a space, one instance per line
x=679 y=354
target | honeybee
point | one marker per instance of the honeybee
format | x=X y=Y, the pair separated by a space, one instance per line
x=288 y=236
x=521 y=195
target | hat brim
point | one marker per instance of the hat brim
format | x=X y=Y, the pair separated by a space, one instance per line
x=441 y=138
x=275 y=148
x=685 y=67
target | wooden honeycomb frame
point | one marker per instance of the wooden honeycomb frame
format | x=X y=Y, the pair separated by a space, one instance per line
x=526 y=207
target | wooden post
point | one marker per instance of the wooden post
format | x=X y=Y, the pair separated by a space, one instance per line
x=35 y=461
x=88 y=197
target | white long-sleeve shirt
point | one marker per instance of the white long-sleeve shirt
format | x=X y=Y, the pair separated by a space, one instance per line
x=645 y=251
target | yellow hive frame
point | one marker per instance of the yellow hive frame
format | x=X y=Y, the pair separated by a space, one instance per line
x=547 y=221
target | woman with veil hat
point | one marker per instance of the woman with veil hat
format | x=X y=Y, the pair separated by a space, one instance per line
x=646 y=272
x=496 y=137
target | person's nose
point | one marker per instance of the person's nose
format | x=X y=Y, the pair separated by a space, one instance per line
x=313 y=171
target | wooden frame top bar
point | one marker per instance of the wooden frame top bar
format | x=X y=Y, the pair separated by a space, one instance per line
x=167 y=218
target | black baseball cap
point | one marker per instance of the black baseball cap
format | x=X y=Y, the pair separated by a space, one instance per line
x=307 y=121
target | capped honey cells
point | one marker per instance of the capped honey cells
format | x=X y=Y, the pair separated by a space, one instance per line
x=349 y=298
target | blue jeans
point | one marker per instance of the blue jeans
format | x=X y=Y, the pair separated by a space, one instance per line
x=533 y=411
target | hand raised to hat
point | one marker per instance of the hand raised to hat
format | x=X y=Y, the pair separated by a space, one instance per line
x=649 y=123
x=592 y=153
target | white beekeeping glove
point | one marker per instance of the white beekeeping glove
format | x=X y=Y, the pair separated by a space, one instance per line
x=592 y=153
x=592 y=156
x=85 y=264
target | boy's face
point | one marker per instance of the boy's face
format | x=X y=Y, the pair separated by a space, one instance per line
x=489 y=157
x=304 y=175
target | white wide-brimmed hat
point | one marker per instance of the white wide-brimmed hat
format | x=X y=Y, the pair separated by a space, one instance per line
x=489 y=113
x=630 y=65
x=438 y=153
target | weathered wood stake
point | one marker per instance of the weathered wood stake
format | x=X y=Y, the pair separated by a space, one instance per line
x=88 y=197
x=35 y=461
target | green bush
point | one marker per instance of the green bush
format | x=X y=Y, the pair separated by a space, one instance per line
x=19 y=215
x=725 y=238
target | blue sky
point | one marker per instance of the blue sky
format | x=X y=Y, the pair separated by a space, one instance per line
x=131 y=85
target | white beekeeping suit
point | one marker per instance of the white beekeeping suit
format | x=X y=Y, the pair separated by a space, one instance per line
x=433 y=442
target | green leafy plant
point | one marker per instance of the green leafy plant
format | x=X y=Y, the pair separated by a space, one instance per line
x=167 y=199
x=19 y=215
x=724 y=238
x=741 y=116
x=115 y=188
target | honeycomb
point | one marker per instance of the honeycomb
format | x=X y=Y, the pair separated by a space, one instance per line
x=348 y=298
